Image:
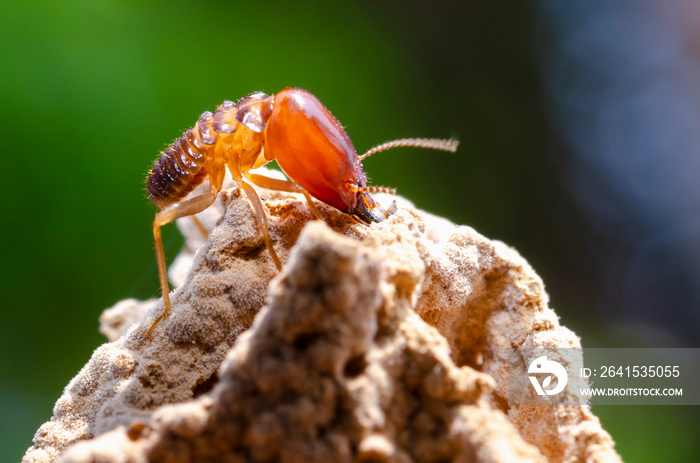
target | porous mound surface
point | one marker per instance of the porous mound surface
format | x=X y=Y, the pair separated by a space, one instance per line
x=380 y=343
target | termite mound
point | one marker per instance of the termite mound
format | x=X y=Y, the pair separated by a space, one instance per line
x=373 y=344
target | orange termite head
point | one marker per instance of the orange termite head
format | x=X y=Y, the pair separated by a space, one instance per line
x=314 y=150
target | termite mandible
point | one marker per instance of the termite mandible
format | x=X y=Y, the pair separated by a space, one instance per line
x=293 y=128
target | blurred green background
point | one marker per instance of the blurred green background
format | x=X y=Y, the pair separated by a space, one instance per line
x=90 y=92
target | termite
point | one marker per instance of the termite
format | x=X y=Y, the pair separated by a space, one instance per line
x=293 y=128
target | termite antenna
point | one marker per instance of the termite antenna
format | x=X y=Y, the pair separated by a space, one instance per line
x=371 y=189
x=378 y=189
x=432 y=143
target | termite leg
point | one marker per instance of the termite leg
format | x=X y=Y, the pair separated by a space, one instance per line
x=261 y=217
x=283 y=185
x=165 y=216
x=200 y=227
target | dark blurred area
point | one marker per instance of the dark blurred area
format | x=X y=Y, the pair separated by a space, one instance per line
x=579 y=124
x=622 y=80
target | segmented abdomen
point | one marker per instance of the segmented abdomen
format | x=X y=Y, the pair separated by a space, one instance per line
x=178 y=170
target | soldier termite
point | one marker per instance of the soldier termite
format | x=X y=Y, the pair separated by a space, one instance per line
x=293 y=128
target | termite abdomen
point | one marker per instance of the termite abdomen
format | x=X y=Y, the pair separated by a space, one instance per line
x=178 y=170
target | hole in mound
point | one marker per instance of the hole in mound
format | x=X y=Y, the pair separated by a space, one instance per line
x=205 y=386
x=304 y=340
x=355 y=366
